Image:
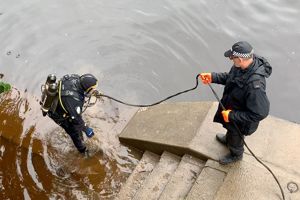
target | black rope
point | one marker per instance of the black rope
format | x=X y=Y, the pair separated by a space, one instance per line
x=241 y=135
x=153 y=104
x=88 y=104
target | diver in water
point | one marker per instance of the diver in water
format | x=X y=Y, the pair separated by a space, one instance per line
x=63 y=102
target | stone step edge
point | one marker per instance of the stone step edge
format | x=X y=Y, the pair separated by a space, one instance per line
x=209 y=181
x=159 y=177
x=183 y=178
x=136 y=179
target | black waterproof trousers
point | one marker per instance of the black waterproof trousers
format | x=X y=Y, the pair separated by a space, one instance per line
x=72 y=131
x=234 y=140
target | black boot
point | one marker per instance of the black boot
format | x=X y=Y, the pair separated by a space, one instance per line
x=221 y=138
x=230 y=158
x=87 y=153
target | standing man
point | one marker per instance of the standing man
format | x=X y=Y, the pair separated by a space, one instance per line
x=244 y=97
x=66 y=108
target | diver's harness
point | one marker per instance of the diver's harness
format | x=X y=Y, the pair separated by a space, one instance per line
x=48 y=88
x=53 y=91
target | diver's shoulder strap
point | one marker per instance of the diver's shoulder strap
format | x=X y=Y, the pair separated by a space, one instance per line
x=59 y=97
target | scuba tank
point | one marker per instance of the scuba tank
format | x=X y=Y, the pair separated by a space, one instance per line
x=49 y=93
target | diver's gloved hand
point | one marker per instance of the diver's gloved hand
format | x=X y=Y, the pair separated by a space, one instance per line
x=89 y=132
x=225 y=114
x=206 y=78
x=96 y=93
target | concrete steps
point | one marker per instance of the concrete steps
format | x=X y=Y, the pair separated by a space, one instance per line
x=172 y=177
x=208 y=182
x=158 y=179
x=183 y=178
x=138 y=176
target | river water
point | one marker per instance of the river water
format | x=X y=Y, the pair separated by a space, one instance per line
x=141 y=51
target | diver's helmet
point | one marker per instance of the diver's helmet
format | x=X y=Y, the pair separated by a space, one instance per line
x=89 y=83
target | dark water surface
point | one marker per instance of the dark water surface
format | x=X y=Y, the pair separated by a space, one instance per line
x=142 y=51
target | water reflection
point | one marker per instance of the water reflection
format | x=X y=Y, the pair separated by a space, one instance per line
x=39 y=160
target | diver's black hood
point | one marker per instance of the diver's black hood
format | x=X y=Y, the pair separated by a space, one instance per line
x=87 y=81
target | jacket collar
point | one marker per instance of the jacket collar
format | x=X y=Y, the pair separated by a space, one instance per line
x=241 y=76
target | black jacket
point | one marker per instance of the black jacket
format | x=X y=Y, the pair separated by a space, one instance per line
x=70 y=103
x=245 y=94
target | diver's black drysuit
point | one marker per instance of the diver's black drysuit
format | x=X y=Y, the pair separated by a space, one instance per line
x=68 y=109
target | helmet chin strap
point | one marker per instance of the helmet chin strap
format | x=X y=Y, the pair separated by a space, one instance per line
x=89 y=92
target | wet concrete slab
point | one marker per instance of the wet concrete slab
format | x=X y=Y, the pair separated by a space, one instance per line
x=277 y=142
x=166 y=127
x=249 y=180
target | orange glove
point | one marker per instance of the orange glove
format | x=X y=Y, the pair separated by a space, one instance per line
x=225 y=114
x=206 y=78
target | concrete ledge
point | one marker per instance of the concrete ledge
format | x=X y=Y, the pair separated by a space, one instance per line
x=166 y=127
x=159 y=148
x=205 y=141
